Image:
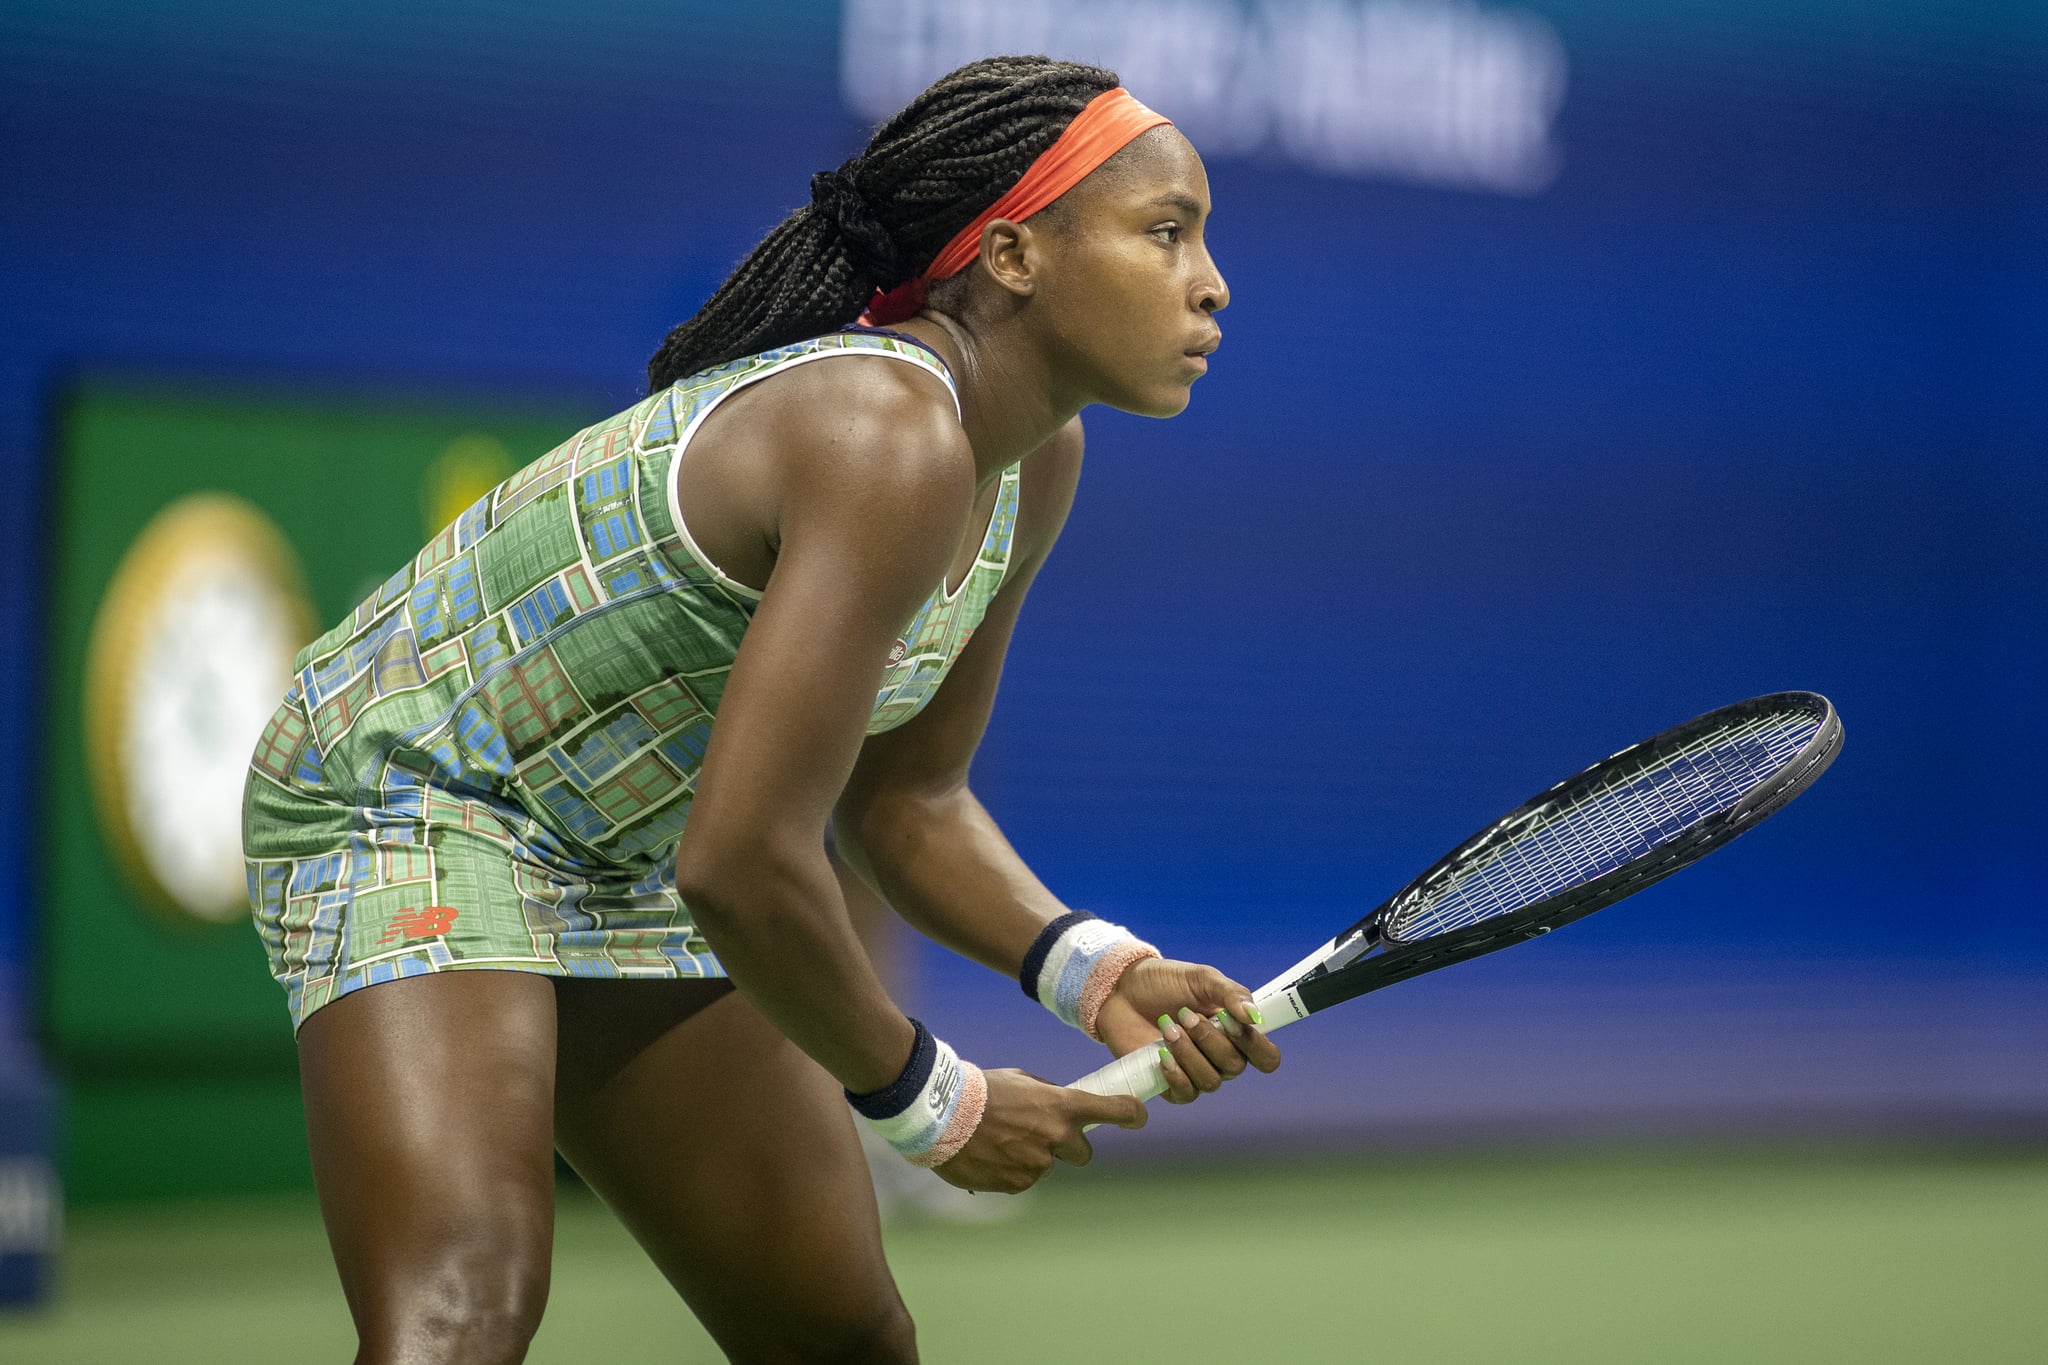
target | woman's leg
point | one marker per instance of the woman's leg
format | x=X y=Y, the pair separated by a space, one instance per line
x=731 y=1156
x=429 y=1107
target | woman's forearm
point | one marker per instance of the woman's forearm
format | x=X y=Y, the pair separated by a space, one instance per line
x=782 y=933
x=941 y=861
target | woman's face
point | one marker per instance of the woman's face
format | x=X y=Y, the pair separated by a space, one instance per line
x=1128 y=290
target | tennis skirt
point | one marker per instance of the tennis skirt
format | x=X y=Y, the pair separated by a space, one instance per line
x=434 y=881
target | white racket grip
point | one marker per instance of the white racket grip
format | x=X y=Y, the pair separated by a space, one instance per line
x=1138 y=1073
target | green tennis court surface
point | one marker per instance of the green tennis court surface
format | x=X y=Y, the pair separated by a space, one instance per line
x=1581 y=1258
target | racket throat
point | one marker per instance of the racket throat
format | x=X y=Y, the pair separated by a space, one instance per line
x=1280 y=999
x=1308 y=966
x=1341 y=951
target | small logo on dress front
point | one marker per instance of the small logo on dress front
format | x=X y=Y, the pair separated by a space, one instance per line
x=897 y=651
x=432 y=922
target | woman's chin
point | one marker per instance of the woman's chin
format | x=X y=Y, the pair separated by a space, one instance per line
x=1166 y=402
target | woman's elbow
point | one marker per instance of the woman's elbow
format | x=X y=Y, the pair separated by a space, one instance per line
x=717 y=878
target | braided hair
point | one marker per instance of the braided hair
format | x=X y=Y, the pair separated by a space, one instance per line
x=882 y=217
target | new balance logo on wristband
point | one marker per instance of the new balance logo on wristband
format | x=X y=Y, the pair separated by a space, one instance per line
x=1095 y=935
x=945 y=1086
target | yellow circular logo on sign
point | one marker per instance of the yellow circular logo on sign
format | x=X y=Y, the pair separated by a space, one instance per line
x=190 y=653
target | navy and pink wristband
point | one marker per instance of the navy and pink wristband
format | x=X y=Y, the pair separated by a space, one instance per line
x=1074 y=964
x=928 y=1112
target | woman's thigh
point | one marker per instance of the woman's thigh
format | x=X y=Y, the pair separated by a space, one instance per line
x=732 y=1158
x=429 y=1111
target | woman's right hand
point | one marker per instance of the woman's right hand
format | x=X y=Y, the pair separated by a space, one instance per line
x=1026 y=1125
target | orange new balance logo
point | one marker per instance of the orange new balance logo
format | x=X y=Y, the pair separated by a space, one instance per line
x=431 y=922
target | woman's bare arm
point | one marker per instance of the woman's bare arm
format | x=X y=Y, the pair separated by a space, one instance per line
x=908 y=823
x=874 y=483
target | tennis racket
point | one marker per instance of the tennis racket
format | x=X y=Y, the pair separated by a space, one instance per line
x=1586 y=843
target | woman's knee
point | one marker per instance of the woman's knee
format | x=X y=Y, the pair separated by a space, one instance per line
x=889 y=1339
x=473 y=1298
x=866 y=1334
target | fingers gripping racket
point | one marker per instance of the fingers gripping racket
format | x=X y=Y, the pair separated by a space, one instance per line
x=1586 y=843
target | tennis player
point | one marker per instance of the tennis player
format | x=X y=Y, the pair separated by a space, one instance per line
x=598 y=921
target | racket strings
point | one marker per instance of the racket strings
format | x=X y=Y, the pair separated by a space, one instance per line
x=1612 y=823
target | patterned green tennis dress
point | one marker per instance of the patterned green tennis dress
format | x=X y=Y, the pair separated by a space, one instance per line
x=488 y=764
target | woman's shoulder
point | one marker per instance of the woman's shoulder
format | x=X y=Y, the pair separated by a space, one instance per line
x=867 y=372
x=863 y=401
x=859 y=425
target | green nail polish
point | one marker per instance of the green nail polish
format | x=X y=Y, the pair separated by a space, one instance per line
x=1257 y=1018
x=1165 y=1024
x=1164 y=1058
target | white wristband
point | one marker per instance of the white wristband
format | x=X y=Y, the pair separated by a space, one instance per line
x=1075 y=964
x=929 y=1111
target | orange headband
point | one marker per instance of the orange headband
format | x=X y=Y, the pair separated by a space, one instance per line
x=1105 y=126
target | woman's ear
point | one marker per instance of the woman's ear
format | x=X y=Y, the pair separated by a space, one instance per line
x=1013 y=253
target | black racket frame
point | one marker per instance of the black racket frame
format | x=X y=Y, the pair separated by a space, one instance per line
x=1370 y=970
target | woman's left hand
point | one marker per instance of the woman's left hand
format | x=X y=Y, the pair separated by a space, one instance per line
x=1159 y=999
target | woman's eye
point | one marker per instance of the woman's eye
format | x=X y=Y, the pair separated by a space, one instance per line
x=1167 y=232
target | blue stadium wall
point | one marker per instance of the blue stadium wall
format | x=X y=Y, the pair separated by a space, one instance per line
x=1736 y=380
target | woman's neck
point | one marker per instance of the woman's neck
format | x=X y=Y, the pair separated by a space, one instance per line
x=1010 y=402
